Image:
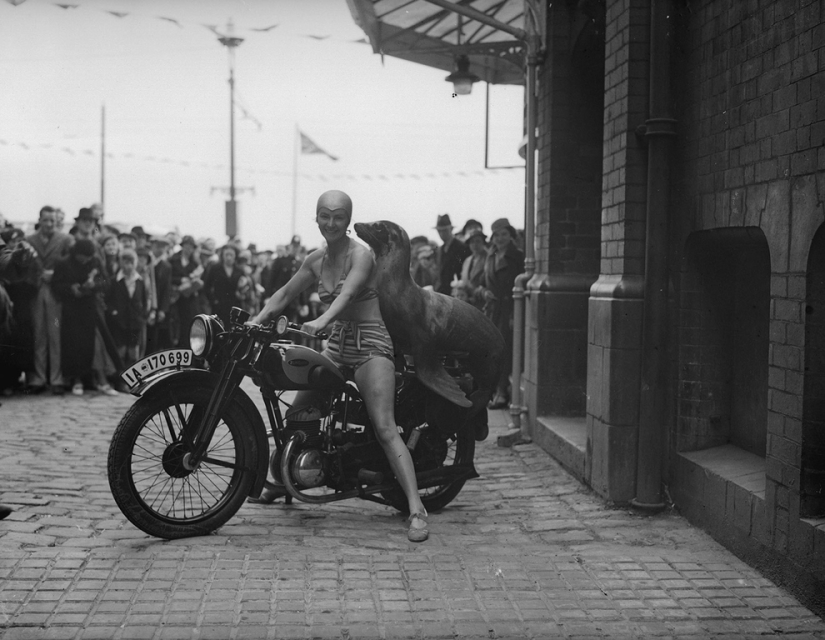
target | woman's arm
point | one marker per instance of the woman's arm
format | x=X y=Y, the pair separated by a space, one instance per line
x=302 y=279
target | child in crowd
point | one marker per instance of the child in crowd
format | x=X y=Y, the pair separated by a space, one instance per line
x=128 y=308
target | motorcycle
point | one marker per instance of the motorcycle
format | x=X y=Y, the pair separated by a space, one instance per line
x=194 y=446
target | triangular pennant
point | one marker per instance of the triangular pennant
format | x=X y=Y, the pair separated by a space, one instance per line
x=308 y=146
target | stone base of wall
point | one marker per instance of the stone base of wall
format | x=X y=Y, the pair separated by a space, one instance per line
x=555 y=364
x=722 y=490
x=611 y=462
x=566 y=440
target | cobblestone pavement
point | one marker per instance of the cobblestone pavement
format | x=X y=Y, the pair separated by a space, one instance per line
x=523 y=552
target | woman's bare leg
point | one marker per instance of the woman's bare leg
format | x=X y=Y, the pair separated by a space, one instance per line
x=376 y=382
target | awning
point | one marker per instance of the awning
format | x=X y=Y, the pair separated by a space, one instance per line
x=433 y=35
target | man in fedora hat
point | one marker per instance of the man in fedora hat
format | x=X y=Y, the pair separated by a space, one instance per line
x=85 y=228
x=106 y=362
x=186 y=283
x=451 y=254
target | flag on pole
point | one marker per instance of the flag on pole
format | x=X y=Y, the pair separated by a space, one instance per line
x=308 y=146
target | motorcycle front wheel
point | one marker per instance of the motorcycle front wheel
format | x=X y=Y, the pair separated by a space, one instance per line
x=432 y=451
x=148 y=476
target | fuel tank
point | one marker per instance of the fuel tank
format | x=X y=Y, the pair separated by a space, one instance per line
x=299 y=367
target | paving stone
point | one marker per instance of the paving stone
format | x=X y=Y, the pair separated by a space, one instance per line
x=523 y=552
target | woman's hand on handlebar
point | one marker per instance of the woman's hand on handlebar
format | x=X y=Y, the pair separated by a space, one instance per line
x=258 y=319
x=314 y=327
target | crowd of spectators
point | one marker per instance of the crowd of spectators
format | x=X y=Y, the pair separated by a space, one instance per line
x=468 y=267
x=79 y=303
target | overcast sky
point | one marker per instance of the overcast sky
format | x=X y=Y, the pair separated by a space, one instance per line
x=407 y=150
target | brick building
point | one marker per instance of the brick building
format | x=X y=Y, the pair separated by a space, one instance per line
x=674 y=322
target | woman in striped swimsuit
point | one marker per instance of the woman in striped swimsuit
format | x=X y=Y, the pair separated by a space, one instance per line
x=359 y=342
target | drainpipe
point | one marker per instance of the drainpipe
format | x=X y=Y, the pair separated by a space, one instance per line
x=518 y=409
x=519 y=427
x=659 y=131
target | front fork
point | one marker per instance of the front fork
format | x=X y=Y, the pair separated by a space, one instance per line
x=230 y=380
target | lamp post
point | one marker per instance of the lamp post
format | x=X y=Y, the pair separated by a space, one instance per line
x=231 y=41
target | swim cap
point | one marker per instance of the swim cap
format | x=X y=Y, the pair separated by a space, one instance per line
x=333 y=200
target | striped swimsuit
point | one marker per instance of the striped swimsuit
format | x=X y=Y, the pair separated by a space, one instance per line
x=353 y=342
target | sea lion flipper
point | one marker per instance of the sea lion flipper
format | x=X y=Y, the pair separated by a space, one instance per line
x=433 y=376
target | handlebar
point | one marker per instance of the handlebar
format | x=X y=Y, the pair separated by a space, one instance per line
x=296 y=328
x=270 y=330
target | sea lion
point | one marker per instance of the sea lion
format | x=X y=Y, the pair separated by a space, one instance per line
x=425 y=324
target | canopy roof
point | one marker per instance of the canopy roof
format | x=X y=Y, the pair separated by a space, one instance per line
x=432 y=34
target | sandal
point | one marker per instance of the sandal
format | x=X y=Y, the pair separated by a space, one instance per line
x=417 y=534
x=269 y=495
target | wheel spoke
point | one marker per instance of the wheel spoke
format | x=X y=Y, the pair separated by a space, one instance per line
x=221 y=463
x=194 y=494
x=169 y=425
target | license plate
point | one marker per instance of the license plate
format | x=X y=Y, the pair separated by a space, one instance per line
x=171 y=359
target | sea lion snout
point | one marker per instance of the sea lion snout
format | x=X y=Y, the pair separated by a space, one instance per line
x=378 y=235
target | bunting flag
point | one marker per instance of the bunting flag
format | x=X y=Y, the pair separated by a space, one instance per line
x=177 y=22
x=172 y=20
x=308 y=146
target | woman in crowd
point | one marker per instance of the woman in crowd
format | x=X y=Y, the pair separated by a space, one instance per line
x=472 y=271
x=425 y=273
x=111 y=249
x=220 y=283
x=19 y=277
x=504 y=262
x=359 y=342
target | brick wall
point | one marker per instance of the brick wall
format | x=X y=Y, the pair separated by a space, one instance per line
x=570 y=144
x=752 y=125
x=623 y=158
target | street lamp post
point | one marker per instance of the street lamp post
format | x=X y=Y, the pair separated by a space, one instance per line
x=231 y=41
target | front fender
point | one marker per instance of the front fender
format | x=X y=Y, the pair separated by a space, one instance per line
x=169 y=381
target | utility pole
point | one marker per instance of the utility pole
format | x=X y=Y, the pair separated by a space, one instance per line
x=231 y=41
x=103 y=156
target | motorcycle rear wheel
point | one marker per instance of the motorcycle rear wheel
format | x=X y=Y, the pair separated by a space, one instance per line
x=151 y=486
x=432 y=452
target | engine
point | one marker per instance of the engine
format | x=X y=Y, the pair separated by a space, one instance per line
x=306 y=468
